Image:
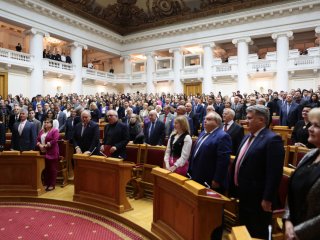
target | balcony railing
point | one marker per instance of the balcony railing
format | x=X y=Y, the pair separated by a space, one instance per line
x=262 y=66
x=192 y=72
x=107 y=77
x=164 y=74
x=224 y=69
x=57 y=67
x=15 y=58
x=304 y=62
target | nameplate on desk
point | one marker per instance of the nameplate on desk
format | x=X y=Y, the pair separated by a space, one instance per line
x=211 y=193
x=195 y=187
x=160 y=171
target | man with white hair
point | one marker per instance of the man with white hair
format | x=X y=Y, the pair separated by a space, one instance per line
x=116 y=136
x=86 y=135
x=154 y=131
x=235 y=130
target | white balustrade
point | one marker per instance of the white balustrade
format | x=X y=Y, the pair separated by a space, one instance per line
x=224 y=69
x=304 y=62
x=54 y=66
x=262 y=66
x=314 y=51
x=15 y=58
x=192 y=72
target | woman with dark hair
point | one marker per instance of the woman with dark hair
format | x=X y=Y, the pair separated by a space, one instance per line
x=51 y=115
x=314 y=101
x=47 y=141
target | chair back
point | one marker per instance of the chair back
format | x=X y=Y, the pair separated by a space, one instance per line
x=133 y=153
x=154 y=155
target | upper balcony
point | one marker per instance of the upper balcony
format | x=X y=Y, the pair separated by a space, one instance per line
x=106 y=77
x=56 y=67
x=310 y=61
x=164 y=69
x=220 y=69
x=16 y=59
x=258 y=67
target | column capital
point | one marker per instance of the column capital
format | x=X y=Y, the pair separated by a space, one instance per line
x=34 y=31
x=172 y=50
x=77 y=44
x=243 y=39
x=125 y=57
x=209 y=44
x=149 y=54
x=288 y=34
x=317 y=30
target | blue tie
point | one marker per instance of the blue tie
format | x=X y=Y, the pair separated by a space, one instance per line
x=151 y=129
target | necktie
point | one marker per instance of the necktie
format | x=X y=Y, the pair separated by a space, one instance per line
x=225 y=127
x=83 y=128
x=199 y=143
x=20 y=128
x=288 y=108
x=241 y=155
x=151 y=129
x=165 y=119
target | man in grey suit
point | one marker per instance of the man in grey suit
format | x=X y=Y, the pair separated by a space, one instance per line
x=166 y=118
x=23 y=134
x=61 y=117
x=237 y=108
x=36 y=122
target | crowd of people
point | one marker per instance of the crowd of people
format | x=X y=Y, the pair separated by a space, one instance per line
x=56 y=56
x=172 y=120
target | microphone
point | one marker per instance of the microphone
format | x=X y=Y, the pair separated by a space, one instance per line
x=189 y=176
x=270 y=232
x=92 y=151
x=103 y=154
x=292 y=166
x=207 y=185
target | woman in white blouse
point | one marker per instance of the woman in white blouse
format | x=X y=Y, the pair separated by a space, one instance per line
x=50 y=115
x=179 y=145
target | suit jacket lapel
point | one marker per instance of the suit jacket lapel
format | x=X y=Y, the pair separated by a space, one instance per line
x=256 y=141
x=231 y=128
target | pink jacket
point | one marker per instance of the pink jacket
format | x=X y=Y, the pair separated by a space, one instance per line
x=51 y=138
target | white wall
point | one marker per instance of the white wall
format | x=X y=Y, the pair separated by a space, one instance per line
x=56 y=85
x=262 y=84
x=166 y=87
x=304 y=83
x=91 y=89
x=225 y=87
x=19 y=83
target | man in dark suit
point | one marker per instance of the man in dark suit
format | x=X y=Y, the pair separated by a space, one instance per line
x=86 y=135
x=154 y=131
x=23 y=134
x=116 y=136
x=61 y=117
x=219 y=106
x=194 y=117
x=72 y=121
x=40 y=115
x=14 y=117
x=210 y=157
x=198 y=109
x=235 y=130
x=289 y=112
x=181 y=111
x=256 y=173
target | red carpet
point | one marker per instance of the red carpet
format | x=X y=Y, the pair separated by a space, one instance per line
x=34 y=221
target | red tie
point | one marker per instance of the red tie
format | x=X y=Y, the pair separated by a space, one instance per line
x=241 y=155
x=165 y=119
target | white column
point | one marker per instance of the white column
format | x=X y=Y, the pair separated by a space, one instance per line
x=177 y=66
x=36 y=50
x=282 y=38
x=127 y=64
x=150 y=71
x=317 y=30
x=76 y=57
x=207 y=84
x=242 y=52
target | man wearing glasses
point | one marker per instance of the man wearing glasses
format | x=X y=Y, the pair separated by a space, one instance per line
x=116 y=137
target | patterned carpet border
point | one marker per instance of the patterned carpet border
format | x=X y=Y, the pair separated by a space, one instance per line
x=126 y=231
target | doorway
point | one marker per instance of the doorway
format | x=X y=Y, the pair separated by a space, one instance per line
x=192 y=88
x=3 y=84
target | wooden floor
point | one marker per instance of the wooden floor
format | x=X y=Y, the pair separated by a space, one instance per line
x=141 y=214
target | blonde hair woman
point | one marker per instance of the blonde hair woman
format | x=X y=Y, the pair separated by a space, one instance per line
x=179 y=145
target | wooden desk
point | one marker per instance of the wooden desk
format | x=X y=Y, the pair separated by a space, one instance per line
x=240 y=233
x=182 y=209
x=20 y=173
x=102 y=182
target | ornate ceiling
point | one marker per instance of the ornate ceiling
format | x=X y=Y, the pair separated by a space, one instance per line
x=128 y=16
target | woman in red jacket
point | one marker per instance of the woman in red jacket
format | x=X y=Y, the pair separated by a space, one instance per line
x=47 y=141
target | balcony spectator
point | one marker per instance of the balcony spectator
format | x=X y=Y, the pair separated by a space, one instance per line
x=63 y=57
x=90 y=65
x=58 y=57
x=44 y=53
x=68 y=59
x=19 y=47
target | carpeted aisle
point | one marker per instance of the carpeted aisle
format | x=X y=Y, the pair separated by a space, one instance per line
x=32 y=221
